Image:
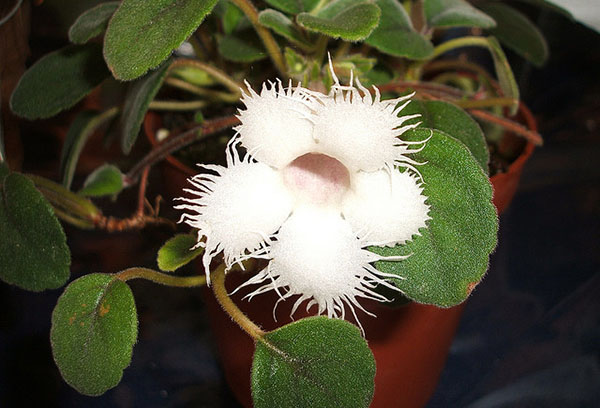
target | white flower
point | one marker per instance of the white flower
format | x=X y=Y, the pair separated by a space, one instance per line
x=325 y=177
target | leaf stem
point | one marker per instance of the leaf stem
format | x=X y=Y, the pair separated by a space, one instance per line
x=208 y=93
x=161 y=278
x=220 y=291
x=472 y=41
x=484 y=103
x=177 y=105
x=531 y=135
x=216 y=73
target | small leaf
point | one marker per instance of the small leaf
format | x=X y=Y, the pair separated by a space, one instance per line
x=58 y=81
x=142 y=33
x=451 y=255
x=92 y=22
x=241 y=48
x=455 y=122
x=314 y=362
x=282 y=25
x=33 y=250
x=293 y=6
x=395 y=34
x=105 y=180
x=455 y=13
x=506 y=78
x=177 y=252
x=94 y=328
x=350 y=20
x=138 y=98
x=517 y=32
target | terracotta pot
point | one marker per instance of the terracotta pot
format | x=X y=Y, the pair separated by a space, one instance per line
x=410 y=343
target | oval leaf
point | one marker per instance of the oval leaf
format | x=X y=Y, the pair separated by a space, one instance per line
x=455 y=13
x=451 y=255
x=241 y=48
x=92 y=22
x=177 y=252
x=454 y=121
x=350 y=20
x=314 y=362
x=142 y=34
x=94 y=328
x=138 y=98
x=105 y=180
x=395 y=34
x=58 y=81
x=282 y=25
x=33 y=250
x=517 y=32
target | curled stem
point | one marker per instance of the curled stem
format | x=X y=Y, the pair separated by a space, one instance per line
x=161 y=278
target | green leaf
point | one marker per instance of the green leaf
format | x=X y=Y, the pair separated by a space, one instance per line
x=241 y=48
x=94 y=328
x=142 y=33
x=395 y=34
x=232 y=15
x=138 y=98
x=454 y=121
x=193 y=75
x=105 y=180
x=92 y=22
x=551 y=6
x=33 y=249
x=177 y=252
x=58 y=81
x=517 y=32
x=282 y=25
x=455 y=13
x=293 y=6
x=350 y=20
x=314 y=362
x=506 y=78
x=451 y=255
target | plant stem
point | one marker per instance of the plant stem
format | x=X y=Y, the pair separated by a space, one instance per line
x=321 y=49
x=161 y=278
x=177 y=105
x=208 y=93
x=216 y=73
x=484 y=103
x=271 y=45
x=220 y=291
x=472 y=41
x=64 y=199
x=531 y=135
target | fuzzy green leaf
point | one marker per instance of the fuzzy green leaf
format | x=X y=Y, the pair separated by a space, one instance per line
x=105 y=180
x=293 y=6
x=142 y=34
x=517 y=32
x=314 y=362
x=282 y=25
x=138 y=98
x=94 y=328
x=395 y=34
x=454 y=121
x=58 y=81
x=451 y=255
x=241 y=48
x=177 y=252
x=92 y=22
x=455 y=13
x=350 y=20
x=33 y=250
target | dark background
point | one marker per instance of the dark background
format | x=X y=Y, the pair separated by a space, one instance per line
x=529 y=336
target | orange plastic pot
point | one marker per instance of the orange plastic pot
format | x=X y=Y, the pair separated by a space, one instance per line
x=410 y=343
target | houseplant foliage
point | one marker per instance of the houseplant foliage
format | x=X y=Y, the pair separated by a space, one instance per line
x=398 y=49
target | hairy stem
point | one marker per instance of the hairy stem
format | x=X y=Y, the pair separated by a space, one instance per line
x=161 y=278
x=177 y=105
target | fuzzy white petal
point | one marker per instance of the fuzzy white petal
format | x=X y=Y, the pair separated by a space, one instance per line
x=237 y=209
x=276 y=125
x=386 y=207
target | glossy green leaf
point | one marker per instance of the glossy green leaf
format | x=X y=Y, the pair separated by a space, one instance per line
x=282 y=25
x=241 y=48
x=451 y=255
x=517 y=32
x=506 y=78
x=138 y=98
x=177 y=252
x=142 y=34
x=58 y=81
x=454 y=121
x=455 y=13
x=314 y=362
x=350 y=20
x=293 y=6
x=94 y=328
x=105 y=180
x=92 y=22
x=33 y=250
x=395 y=34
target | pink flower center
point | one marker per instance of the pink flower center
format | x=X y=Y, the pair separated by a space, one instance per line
x=317 y=179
